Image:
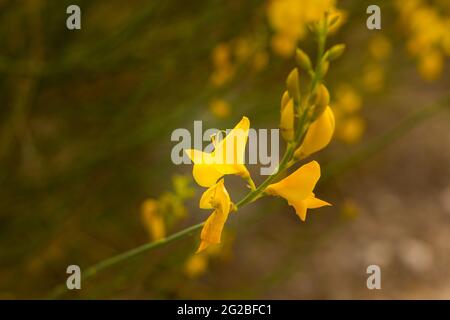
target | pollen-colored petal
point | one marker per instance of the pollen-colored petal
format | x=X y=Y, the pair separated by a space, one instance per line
x=218 y=198
x=204 y=171
x=212 y=230
x=203 y=245
x=200 y=157
x=313 y=203
x=207 y=198
x=299 y=185
x=205 y=175
x=227 y=157
x=297 y=189
x=215 y=196
x=300 y=208
x=231 y=151
x=318 y=136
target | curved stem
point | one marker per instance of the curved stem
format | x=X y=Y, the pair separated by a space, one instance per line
x=93 y=270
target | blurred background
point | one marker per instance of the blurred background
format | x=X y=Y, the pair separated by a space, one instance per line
x=86 y=173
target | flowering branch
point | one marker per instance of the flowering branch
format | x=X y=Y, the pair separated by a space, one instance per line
x=331 y=170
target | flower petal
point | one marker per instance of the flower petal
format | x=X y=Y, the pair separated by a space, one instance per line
x=318 y=136
x=200 y=157
x=300 y=209
x=314 y=203
x=299 y=185
x=230 y=151
x=212 y=230
x=205 y=175
x=215 y=197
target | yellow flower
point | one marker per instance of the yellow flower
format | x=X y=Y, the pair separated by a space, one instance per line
x=283 y=45
x=289 y=19
x=243 y=49
x=222 y=75
x=431 y=65
x=227 y=157
x=351 y=129
x=152 y=219
x=379 y=47
x=318 y=136
x=260 y=60
x=298 y=188
x=221 y=55
x=196 y=265
x=217 y=198
x=347 y=99
x=373 y=77
x=220 y=108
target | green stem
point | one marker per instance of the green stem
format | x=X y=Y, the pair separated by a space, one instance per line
x=93 y=270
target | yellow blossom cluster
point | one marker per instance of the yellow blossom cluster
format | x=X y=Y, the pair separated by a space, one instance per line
x=289 y=20
x=160 y=214
x=347 y=105
x=307 y=124
x=226 y=58
x=427 y=26
x=196 y=265
x=380 y=49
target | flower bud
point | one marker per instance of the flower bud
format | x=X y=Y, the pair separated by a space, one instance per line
x=293 y=85
x=324 y=68
x=285 y=99
x=287 y=120
x=335 y=52
x=321 y=102
x=303 y=60
x=333 y=21
x=318 y=136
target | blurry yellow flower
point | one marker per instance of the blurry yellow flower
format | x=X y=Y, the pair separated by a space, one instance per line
x=431 y=65
x=341 y=17
x=242 y=49
x=351 y=129
x=291 y=16
x=298 y=188
x=314 y=10
x=283 y=45
x=347 y=99
x=220 y=108
x=289 y=19
x=221 y=55
x=379 y=47
x=260 y=60
x=153 y=220
x=318 y=136
x=196 y=265
x=223 y=67
x=427 y=28
x=182 y=186
x=222 y=75
x=227 y=157
x=373 y=78
x=217 y=198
